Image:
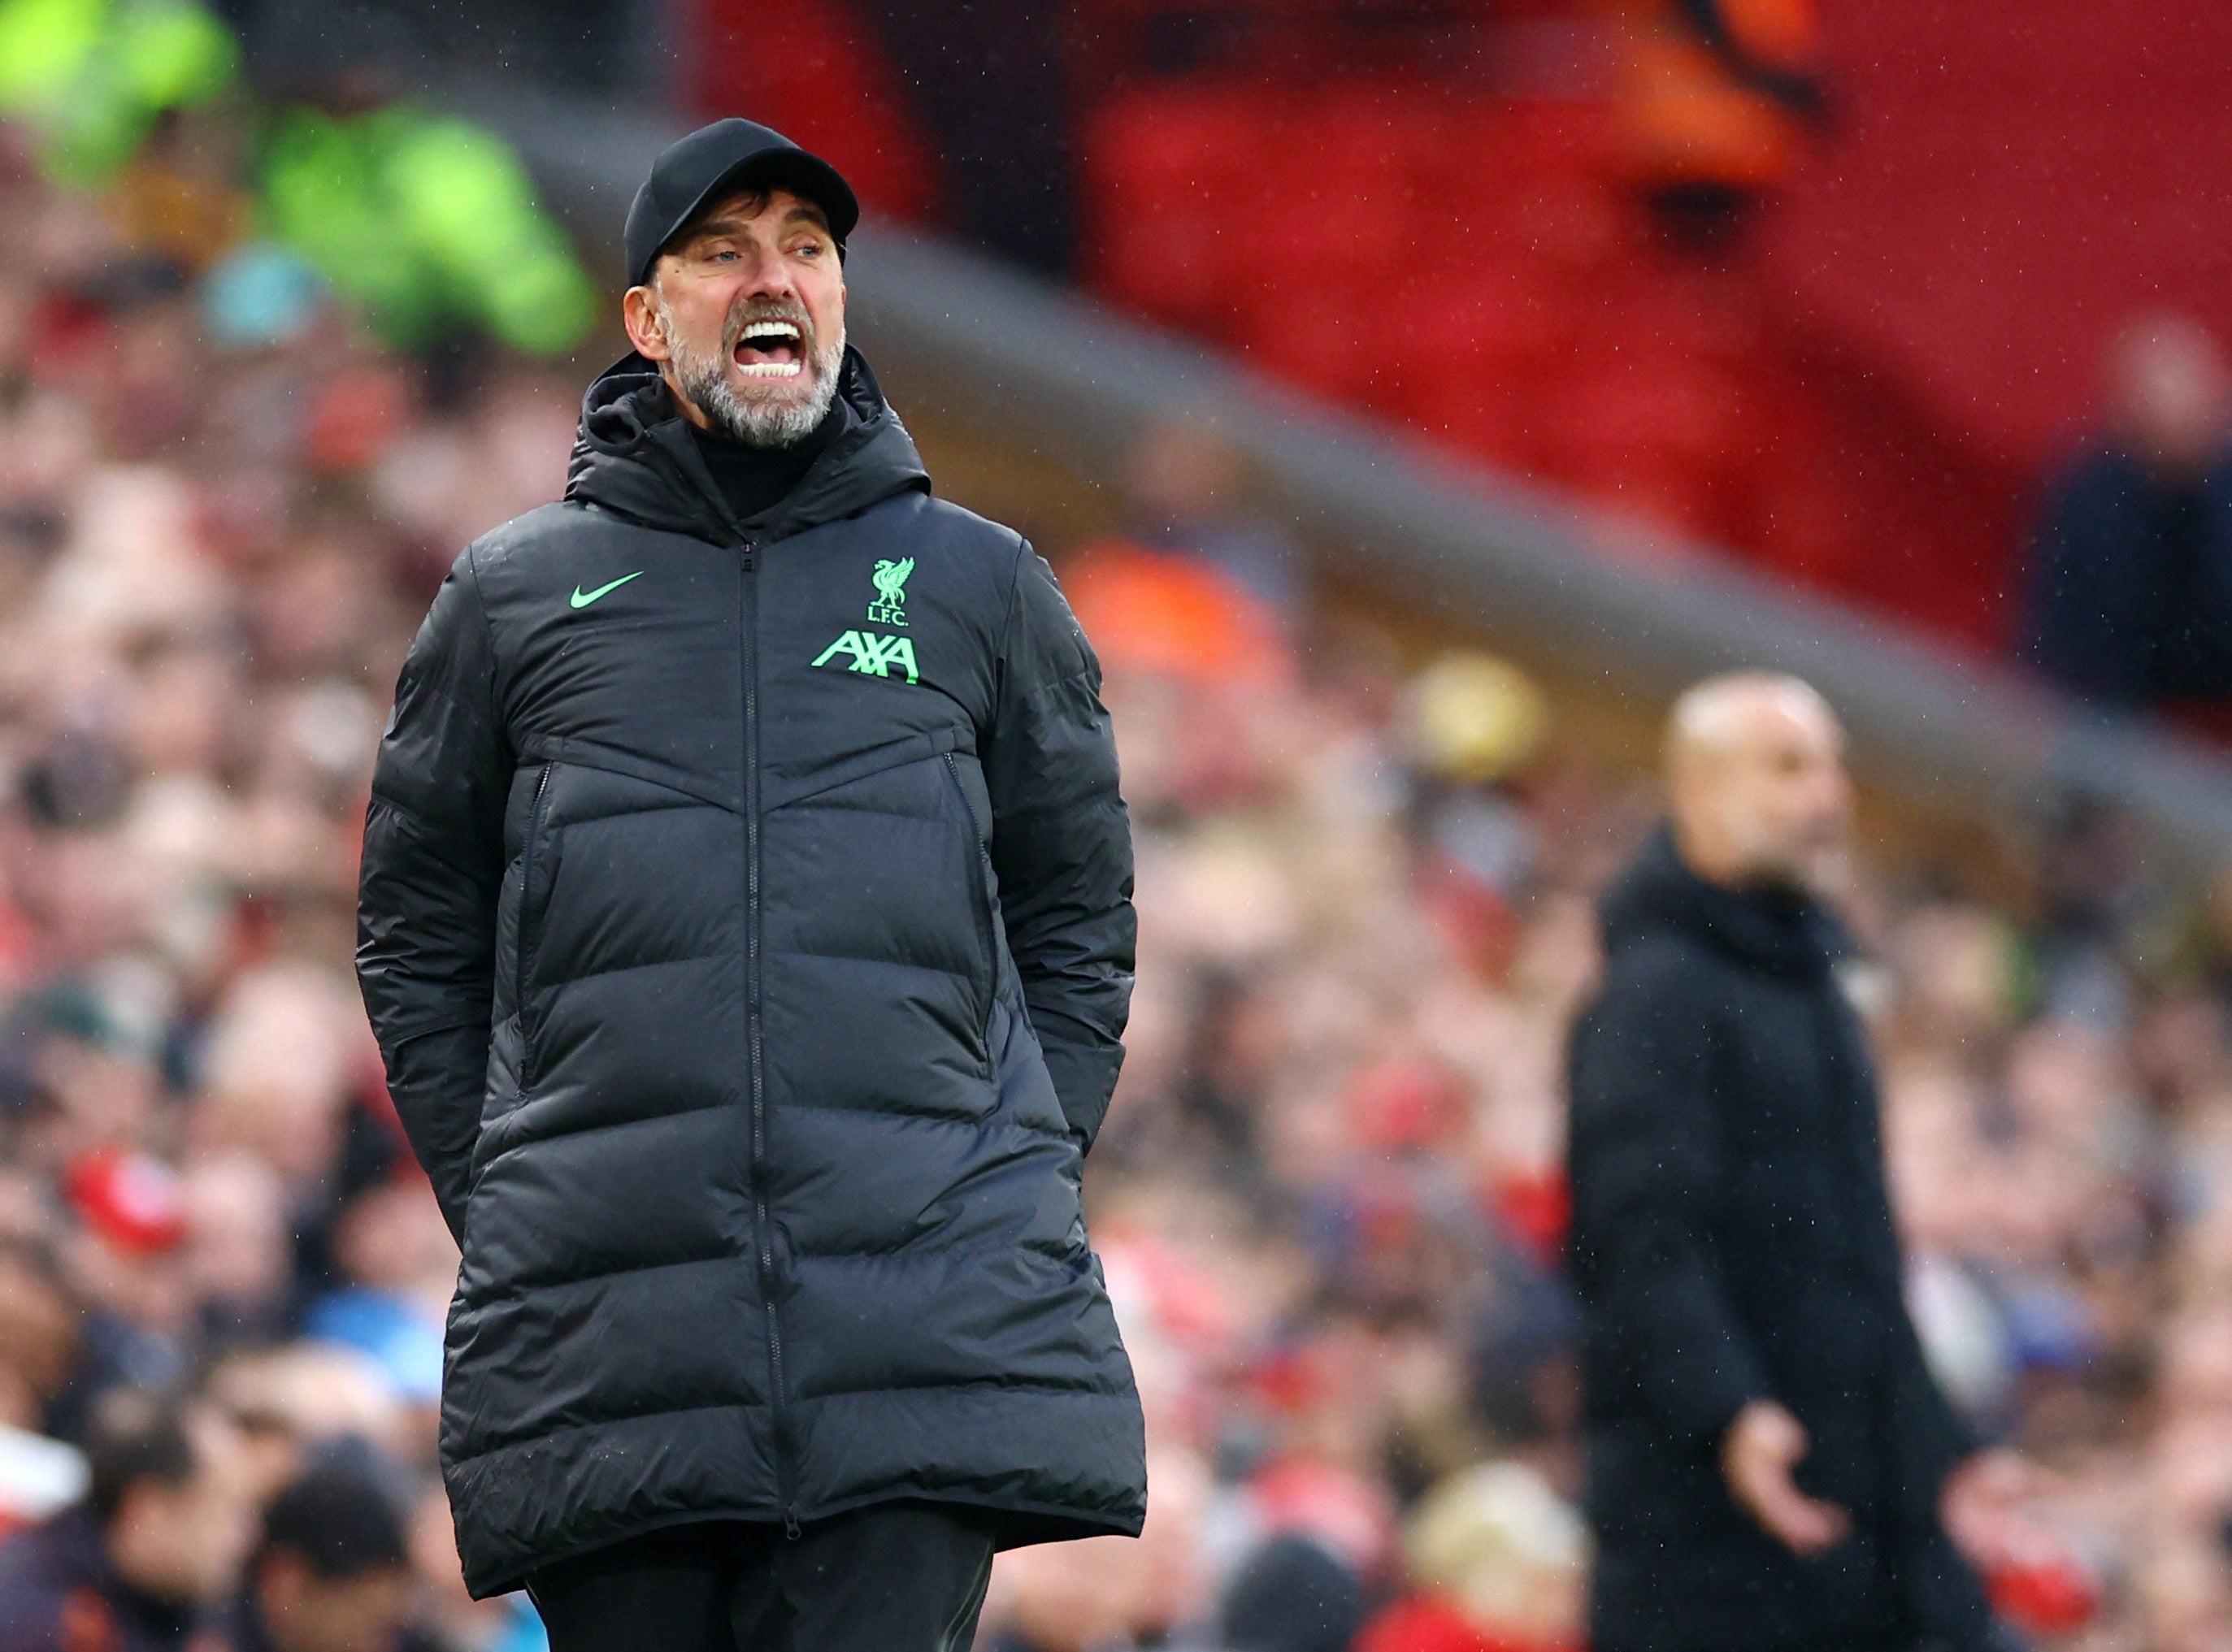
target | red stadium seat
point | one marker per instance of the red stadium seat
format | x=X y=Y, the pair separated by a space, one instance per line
x=1163 y=175
x=1514 y=308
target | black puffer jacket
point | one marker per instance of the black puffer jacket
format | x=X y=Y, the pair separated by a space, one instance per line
x=746 y=925
x=1732 y=1241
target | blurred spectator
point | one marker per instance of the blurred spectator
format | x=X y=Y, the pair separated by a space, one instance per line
x=1292 y=1596
x=1498 y=1560
x=332 y=1573
x=399 y=1264
x=236 y=1259
x=2131 y=571
x=1187 y=489
x=43 y=1343
x=298 y=1399
x=162 y=1527
x=1169 y=614
x=1200 y=591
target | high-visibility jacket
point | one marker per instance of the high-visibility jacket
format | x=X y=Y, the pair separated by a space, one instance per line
x=428 y=221
x=92 y=76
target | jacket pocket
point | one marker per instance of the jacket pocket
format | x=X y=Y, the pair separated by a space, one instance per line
x=985 y=978
x=530 y=911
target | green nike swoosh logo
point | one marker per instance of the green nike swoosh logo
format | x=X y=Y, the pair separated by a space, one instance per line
x=583 y=599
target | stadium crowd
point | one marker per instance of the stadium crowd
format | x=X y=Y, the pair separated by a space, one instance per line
x=1327 y=1197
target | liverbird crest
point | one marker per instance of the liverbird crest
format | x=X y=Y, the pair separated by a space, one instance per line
x=890 y=578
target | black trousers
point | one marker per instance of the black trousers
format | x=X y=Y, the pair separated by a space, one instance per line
x=896 y=1577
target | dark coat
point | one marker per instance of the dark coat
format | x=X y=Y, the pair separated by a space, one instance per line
x=1732 y=1241
x=58 y=1591
x=2130 y=595
x=746 y=924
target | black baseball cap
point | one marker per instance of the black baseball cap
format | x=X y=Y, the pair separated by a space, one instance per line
x=719 y=160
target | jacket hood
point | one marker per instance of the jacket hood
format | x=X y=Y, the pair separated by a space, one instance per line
x=1782 y=934
x=634 y=456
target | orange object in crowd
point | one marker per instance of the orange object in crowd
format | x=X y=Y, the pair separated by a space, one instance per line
x=1169 y=614
x=1689 y=116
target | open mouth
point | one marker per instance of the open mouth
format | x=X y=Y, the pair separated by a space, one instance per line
x=771 y=349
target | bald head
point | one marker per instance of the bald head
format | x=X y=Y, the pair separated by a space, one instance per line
x=1756 y=782
x=2170 y=389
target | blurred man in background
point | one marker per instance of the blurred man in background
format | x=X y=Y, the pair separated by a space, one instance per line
x=1766 y=1446
x=332 y=1573
x=2131 y=575
x=164 y=1521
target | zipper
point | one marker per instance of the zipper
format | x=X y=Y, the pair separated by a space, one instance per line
x=526 y=952
x=763 y=1228
x=982 y=906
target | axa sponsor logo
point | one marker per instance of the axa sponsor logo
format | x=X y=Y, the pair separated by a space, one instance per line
x=873 y=655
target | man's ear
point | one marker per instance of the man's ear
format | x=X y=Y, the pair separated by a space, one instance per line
x=646 y=327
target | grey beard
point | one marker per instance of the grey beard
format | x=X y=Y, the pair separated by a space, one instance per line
x=704 y=380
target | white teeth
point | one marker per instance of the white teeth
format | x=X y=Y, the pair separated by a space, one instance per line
x=784 y=332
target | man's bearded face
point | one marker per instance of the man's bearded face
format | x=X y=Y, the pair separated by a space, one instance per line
x=746 y=311
x=773 y=378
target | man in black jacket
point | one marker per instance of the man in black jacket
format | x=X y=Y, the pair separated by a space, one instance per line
x=1767 y=1447
x=2130 y=573
x=746 y=925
